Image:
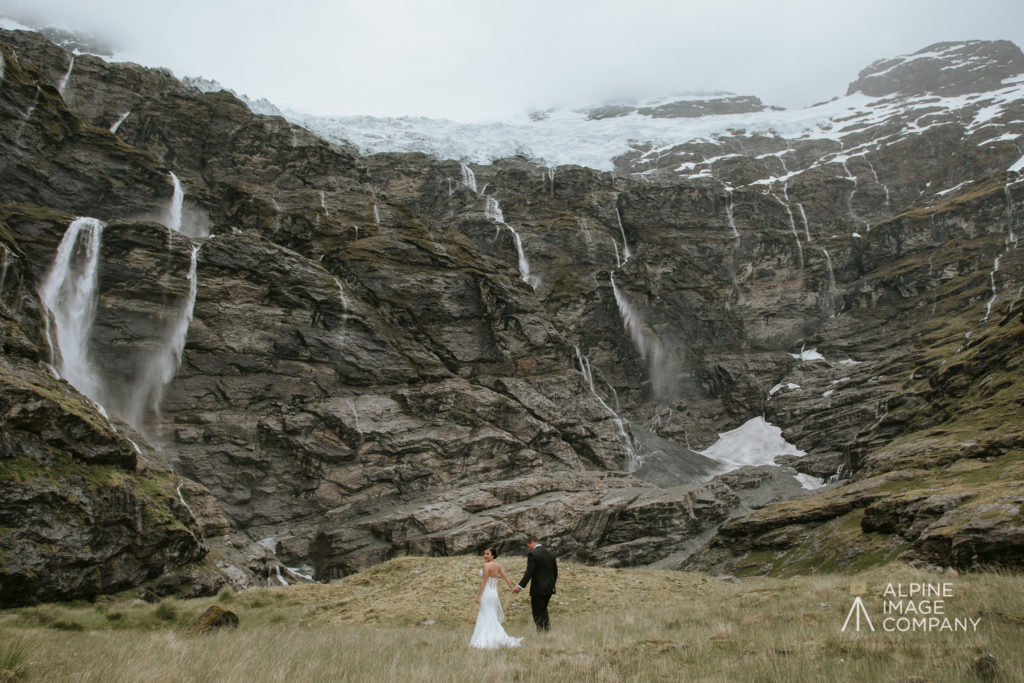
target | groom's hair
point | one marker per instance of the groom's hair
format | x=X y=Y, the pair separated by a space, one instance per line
x=532 y=539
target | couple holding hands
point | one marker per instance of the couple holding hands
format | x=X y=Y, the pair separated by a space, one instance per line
x=541 y=570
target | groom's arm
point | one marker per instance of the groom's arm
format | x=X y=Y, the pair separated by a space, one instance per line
x=530 y=567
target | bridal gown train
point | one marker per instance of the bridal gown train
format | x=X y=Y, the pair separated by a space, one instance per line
x=488 y=633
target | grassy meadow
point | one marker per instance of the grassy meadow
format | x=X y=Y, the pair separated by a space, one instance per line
x=410 y=619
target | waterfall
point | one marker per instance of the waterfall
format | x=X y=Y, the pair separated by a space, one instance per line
x=586 y=232
x=172 y=216
x=493 y=211
x=803 y=216
x=1011 y=237
x=117 y=124
x=68 y=291
x=376 y=215
x=160 y=366
x=182 y=499
x=849 y=200
x=662 y=368
x=323 y=203
x=832 y=289
x=792 y=227
x=341 y=292
x=631 y=321
x=180 y=330
x=3 y=67
x=7 y=263
x=992 y=278
x=551 y=179
x=524 y=265
x=625 y=244
x=728 y=213
x=468 y=177
x=618 y=262
x=355 y=416
x=28 y=115
x=64 y=81
x=632 y=460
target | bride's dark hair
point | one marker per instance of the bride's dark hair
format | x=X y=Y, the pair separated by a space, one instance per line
x=494 y=554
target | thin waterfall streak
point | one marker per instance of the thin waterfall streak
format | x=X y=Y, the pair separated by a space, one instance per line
x=792 y=227
x=179 y=333
x=1011 y=237
x=341 y=294
x=632 y=460
x=182 y=499
x=832 y=289
x=625 y=245
x=995 y=293
x=803 y=216
x=64 y=81
x=492 y=209
x=117 y=124
x=7 y=264
x=355 y=416
x=729 y=215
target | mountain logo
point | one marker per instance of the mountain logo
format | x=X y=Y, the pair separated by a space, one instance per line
x=858 y=609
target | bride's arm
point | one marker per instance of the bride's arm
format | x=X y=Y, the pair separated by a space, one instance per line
x=502 y=570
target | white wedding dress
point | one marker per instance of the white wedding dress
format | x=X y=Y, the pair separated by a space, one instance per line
x=488 y=633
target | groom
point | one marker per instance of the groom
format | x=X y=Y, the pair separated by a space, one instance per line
x=542 y=568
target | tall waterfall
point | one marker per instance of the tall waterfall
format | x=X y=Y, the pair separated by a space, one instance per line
x=160 y=366
x=69 y=293
x=662 y=367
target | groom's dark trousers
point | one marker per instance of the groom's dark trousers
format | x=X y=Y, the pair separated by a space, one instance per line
x=542 y=570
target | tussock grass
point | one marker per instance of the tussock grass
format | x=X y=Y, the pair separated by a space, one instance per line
x=410 y=619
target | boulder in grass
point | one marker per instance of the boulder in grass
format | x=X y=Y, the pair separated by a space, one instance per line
x=213 y=619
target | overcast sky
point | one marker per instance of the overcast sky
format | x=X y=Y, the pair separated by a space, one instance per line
x=478 y=60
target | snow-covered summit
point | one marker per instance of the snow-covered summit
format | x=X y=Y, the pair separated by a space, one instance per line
x=948 y=69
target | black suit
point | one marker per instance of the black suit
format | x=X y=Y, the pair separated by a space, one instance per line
x=542 y=569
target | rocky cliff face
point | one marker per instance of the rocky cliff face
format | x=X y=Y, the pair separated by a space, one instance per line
x=299 y=355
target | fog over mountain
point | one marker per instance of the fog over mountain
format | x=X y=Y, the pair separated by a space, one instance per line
x=471 y=61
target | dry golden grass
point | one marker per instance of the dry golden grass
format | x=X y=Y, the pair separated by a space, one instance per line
x=410 y=619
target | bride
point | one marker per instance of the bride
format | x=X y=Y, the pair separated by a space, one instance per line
x=488 y=632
